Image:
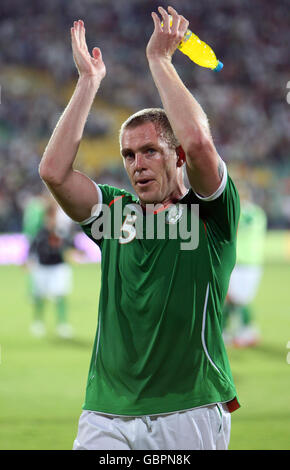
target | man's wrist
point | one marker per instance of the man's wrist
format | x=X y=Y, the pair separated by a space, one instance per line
x=159 y=59
x=89 y=81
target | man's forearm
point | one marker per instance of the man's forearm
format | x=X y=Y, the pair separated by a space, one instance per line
x=63 y=145
x=187 y=118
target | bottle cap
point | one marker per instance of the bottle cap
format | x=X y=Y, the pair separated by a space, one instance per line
x=218 y=67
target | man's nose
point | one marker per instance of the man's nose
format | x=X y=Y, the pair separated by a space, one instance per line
x=140 y=162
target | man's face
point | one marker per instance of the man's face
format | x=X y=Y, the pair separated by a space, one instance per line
x=150 y=164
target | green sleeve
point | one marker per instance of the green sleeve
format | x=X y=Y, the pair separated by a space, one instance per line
x=108 y=196
x=221 y=215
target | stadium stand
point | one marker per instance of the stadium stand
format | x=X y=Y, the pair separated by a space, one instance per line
x=246 y=103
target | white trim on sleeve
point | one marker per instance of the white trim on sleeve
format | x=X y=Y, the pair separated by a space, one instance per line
x=96 y=209
x=220 y=189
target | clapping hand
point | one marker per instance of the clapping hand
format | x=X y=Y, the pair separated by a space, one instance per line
x=87 y=64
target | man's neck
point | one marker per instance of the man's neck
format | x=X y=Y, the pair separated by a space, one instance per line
x=173 y=198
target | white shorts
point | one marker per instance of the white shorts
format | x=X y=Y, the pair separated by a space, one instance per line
x=50 y=281
x=205 y=428
x=244 y=284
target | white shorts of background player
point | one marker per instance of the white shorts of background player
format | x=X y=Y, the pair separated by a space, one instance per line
x=244 y=284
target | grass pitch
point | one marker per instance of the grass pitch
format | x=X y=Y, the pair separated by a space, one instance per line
x=42 y=381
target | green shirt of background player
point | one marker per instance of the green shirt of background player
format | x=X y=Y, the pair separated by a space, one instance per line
x=251 y=234
x=240 y=328
x=159 y=375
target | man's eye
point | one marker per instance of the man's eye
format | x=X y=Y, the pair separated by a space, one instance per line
x=129 y=155
x=150 y=151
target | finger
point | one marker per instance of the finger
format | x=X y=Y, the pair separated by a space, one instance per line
x=72 y=34
x=157 y=23
x=183 y=25
x=96 y=53
x=166 y=21
x=82 y=35
x=78 y=32
x=73 y=37
x=175 y=20
x=75 y=33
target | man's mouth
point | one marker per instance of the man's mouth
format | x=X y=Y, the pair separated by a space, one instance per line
x=144 y=182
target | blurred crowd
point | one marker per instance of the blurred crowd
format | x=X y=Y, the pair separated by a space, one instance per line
x=246 y=102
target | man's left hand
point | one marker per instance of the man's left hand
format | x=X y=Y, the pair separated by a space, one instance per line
x=166 y=37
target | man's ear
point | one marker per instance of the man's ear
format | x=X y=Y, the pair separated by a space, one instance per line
x=181 y=158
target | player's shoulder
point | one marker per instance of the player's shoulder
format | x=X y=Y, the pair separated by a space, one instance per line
x=111 y=193
x=221 y=210
x=227 y=191
x=107 y=197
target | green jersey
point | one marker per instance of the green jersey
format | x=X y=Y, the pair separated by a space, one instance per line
x=251 y=235
x=158 y=346
x=33 y=217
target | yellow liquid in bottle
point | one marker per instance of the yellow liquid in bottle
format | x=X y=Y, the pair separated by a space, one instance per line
x=198 y=51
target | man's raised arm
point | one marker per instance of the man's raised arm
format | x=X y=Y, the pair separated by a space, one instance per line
x=188 y=120
x=74 y=191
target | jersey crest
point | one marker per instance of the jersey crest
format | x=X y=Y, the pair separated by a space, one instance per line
x=174 y=214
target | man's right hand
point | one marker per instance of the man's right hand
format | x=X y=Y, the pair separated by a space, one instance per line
x=87 y=65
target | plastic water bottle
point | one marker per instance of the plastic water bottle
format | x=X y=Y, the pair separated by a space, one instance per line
x=198 y=51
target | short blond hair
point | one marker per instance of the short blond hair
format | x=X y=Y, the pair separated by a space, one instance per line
x=158 y=117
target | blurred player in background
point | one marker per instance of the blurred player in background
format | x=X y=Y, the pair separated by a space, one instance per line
x=240 y=328
x=34 y=214
x=50 y=275
x=159 y=376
